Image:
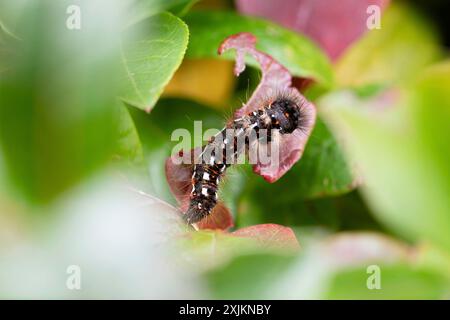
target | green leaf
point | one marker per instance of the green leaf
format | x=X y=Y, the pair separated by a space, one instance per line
x=402 y=151
x=390 y=54
x=297 y=53
x=151 y=58
x=141 y=9
x=397 y=282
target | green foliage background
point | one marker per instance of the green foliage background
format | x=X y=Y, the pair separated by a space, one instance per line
x=375 y=173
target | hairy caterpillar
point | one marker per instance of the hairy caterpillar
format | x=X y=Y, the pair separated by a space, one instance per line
x=283 y=113
x=279 y=126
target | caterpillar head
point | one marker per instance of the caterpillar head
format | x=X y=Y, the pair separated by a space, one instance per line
x=287 y=114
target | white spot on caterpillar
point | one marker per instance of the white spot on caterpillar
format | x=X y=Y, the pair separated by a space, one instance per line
x=199 y=205
x=204 y=191
x=205 y=176
x=211 y=161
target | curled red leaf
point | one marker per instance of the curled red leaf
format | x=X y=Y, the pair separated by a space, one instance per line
x=275 y=79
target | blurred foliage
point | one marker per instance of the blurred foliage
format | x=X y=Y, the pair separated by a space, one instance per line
x=295 y=52
x=400 y=151
x=78 y=107
x=194 y=76
x=57 y=118
x=391 y=54
x=399 y=282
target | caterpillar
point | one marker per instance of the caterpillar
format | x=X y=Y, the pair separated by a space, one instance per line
x=283 y=113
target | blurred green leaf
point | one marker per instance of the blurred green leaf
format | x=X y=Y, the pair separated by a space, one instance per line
x=11 y=13
x=248 y=276
x=390 y=54
x=150 y=59
x=6 y=44
x=212 y=249
x=400 y=143
x=141 y=9
x=209 y=249
x=434 y=258
x=298 y=54
x=310 y=276
x=334 y=267
x=57 y=98
x=397 y=282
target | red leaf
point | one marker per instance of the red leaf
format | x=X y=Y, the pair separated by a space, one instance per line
x=179 y=179
x=270 y=235
x=334 y=25
x=275 y=79
x=220 y=218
